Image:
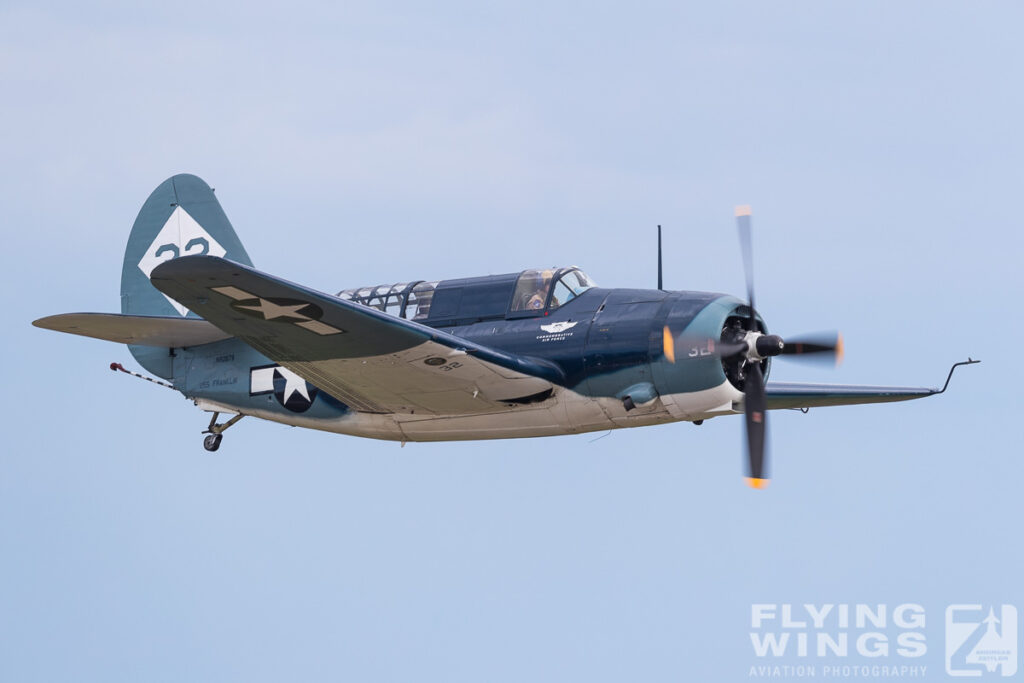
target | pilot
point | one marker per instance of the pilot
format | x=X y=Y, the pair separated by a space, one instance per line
x=539 y=292
x=526 y=291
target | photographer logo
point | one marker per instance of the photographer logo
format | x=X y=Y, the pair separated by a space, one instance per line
x=981 y=640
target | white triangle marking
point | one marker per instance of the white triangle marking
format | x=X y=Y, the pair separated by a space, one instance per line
x=180 y=236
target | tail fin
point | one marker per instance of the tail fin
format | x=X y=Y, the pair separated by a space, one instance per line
x=181 y=217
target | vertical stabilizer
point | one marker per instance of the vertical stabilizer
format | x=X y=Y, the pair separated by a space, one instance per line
x=181 y=217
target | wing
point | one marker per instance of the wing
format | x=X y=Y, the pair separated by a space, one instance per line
x=794 y=395
x=365 y=358
x=135 y=329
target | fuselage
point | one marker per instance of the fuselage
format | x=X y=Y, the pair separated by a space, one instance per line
x=607 y=343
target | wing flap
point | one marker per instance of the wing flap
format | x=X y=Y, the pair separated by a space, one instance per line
x=135 y=329
x=365 y=358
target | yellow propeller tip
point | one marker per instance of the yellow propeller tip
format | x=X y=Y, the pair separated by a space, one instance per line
x=755 y=483
x=743 y=210
x=839 y=349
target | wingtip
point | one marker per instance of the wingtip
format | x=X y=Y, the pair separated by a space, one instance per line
x=54 y=322
x=756 y=482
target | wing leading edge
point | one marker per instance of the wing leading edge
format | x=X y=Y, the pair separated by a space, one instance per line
x=371 y=361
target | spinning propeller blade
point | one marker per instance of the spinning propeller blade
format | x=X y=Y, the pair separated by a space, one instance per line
x=743 y=214
x=756 y=418
x=825 y=346
x=754 y=403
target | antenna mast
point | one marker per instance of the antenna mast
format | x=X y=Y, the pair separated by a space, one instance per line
x=659 y=259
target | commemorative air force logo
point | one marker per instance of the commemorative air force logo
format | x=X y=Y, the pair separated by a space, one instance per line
x=554 y=332
x=556 y=328
x=180 y=236
x=290 y=390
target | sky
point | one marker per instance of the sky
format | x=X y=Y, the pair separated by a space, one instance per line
x=354 y=144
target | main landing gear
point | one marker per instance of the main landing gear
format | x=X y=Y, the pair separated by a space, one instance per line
x=215 y=432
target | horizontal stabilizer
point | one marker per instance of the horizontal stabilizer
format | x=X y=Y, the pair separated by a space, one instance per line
x=143 y=330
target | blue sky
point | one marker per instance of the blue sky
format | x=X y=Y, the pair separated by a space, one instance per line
x=353 y=144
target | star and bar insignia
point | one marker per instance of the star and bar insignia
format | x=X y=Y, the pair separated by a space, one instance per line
x=300 y=313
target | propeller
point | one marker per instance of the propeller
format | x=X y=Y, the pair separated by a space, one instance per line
x=755 y=415
x=825 y=346
x=745 y=348
x=747 y=249
x=761 y=346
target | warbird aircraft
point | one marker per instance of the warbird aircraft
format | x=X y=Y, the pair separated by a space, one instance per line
x=535 y=353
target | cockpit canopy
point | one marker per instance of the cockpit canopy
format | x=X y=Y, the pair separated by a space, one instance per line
x=468 y=300
x=537 y=290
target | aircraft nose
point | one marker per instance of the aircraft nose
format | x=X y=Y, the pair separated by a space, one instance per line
x=683 y=355
x=699 y=316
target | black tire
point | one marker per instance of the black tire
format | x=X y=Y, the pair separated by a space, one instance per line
x=212 y=442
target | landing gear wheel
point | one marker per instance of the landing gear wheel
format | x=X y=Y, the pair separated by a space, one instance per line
x=215 y=432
